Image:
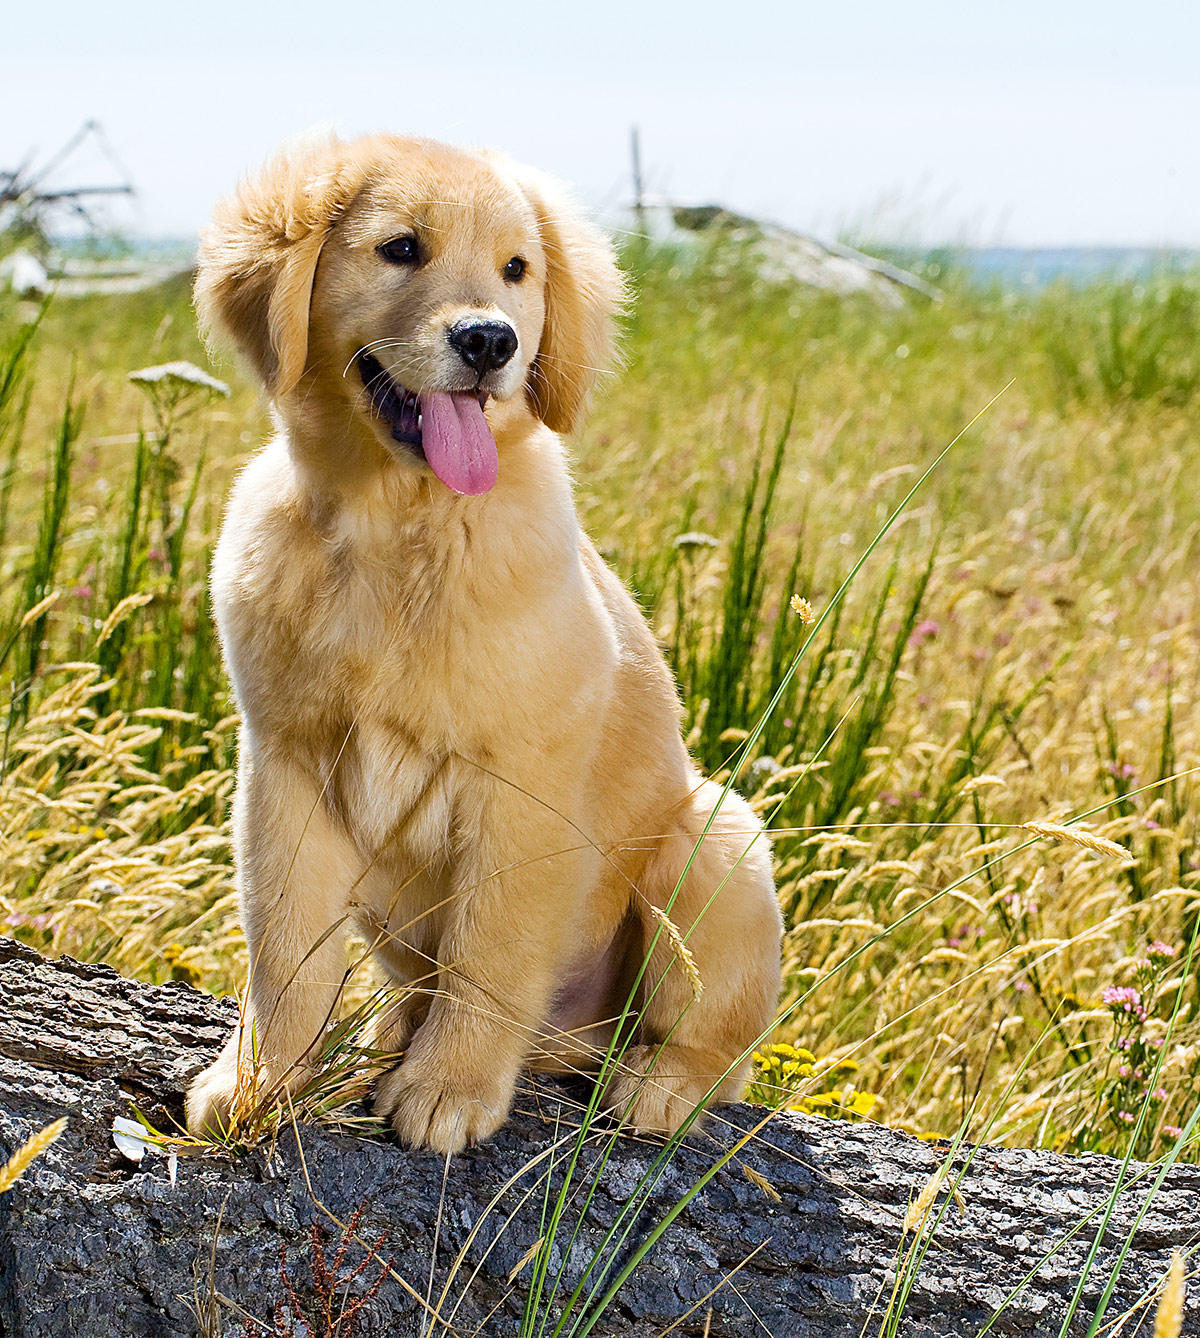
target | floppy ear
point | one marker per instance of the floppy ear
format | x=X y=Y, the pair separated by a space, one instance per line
x=584 y=293
x=259 y=255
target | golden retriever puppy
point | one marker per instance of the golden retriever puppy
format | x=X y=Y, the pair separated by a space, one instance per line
x=457 y=730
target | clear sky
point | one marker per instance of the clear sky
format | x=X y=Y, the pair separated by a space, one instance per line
x=1060 y=122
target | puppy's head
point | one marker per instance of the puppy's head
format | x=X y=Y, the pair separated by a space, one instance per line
x=413 y=283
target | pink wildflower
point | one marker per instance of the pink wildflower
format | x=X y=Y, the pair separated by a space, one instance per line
x=965 y=934
x=19 y=918
x=1124 y=999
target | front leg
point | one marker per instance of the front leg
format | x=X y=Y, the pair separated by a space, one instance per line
x=295 y=870
x=516 y=907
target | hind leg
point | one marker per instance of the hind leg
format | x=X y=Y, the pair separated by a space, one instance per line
x=397 y=1021
x=401 y=935
x=714 y=976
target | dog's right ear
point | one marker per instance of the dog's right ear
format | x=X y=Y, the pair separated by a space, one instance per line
x=259 y=255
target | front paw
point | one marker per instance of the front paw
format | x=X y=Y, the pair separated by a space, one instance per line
x=226 y=1100
x=212 y=1098
x=429 y=1109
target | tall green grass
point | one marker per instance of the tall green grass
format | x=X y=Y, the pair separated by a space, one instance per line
x=142 y=568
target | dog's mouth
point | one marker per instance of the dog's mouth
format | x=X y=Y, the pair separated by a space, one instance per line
x=446 y=429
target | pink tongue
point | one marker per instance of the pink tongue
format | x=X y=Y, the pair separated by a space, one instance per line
x=458 y=442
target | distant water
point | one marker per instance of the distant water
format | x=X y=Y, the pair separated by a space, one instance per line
x=1019 y=267
x=113 y=248
x=1010 y=266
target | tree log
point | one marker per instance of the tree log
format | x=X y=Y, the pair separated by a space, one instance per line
x=94 y=1244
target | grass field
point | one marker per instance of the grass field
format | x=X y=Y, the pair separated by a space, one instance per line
x=1020 y=648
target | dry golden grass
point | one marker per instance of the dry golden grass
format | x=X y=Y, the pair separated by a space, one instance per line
x=104 y=860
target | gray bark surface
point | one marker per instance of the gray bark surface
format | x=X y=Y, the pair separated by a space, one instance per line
x=93 y=1244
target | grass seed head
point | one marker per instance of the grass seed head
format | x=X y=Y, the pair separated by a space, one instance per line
x=28 y=1153
x=1076 y=836
x=761 y=1182
x=1168 y=1319
x=681 y=951
x=918 y=1209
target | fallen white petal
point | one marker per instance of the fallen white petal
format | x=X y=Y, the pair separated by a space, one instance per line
x=130 y=1138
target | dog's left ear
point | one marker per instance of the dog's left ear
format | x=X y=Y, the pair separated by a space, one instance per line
x=584 y=294
x=259 y=255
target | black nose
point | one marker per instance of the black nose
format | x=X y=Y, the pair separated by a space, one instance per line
x=483 y=344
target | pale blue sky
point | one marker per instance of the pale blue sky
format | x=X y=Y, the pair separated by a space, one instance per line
x=1025 y=123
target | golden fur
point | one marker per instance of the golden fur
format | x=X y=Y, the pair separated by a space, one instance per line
x=458 y=731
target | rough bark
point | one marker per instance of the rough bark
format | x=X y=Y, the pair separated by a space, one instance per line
x=95 y=1245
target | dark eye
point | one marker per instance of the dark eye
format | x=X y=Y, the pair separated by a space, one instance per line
x=514 y=271
x=400 y=251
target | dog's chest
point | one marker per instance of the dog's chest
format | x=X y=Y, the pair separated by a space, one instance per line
x=394 y=796
x=401 y=677
x=407 y=662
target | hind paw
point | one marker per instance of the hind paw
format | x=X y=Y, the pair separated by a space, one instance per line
x=656 y=1088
